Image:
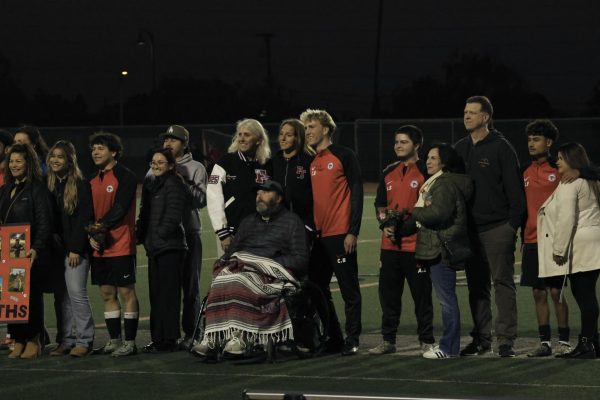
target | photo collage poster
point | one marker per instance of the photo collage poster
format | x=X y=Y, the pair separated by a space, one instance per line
x=15 y=266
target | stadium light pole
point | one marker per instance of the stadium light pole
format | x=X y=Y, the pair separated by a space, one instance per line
x=375 y=106
x=145 y=37
x=122 y=77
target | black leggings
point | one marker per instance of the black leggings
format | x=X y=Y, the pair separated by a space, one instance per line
x=583 y=286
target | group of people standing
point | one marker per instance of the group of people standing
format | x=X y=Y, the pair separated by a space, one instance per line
x=460 y=208
x=80 y=225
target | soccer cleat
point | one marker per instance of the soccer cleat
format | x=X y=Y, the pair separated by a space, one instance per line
x=383 y=348
x=235 y=345
x=435 y=353
x=506 y=350
x=585 y=349
x=543 y=350
x=564 y=347
x=128 y=348
x=111 y=346
x=475 y=349
x=350 y=348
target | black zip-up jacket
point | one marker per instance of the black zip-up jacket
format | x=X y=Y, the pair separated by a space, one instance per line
x=71 y=228
x=499 y=196
x=294 y=176
x=165 y=201
x=282 y=238
x=30 y=205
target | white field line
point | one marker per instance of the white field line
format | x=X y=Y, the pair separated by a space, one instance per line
x=314 y=377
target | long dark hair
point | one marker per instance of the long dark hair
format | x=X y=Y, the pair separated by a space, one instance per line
x=576 y=157
x=299 y=134
x=34 y=171
x=36 y=139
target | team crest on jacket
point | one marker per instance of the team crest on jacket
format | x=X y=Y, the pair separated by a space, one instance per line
x=261 y=175
x=330 y=165
x=109 y=189
x=551 y=177
x=414 y=184
x=300 y=171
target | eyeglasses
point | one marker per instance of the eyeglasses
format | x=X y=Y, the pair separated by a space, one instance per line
x=157 y=163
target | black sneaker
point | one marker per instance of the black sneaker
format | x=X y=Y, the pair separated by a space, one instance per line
x=350 y=348
x=475 y=349
x=506 y=350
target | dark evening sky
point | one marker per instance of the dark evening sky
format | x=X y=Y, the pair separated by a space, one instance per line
x=323 y=50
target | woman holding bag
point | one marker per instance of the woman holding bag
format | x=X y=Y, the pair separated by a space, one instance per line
x=441 y=217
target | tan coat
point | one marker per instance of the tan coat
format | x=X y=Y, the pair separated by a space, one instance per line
x=569 y=225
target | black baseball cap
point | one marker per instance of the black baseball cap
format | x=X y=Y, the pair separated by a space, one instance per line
x=177 y=132
x=269 y=186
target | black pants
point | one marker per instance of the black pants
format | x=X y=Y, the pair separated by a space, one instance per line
x=583 y=286
x=396 y=268
x=33 y=328
x=328 y=257
x=190 y=283
x=164 y=273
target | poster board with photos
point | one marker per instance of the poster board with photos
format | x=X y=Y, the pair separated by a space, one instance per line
x=15 y=266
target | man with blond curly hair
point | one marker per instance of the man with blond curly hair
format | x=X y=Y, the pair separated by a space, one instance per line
x=338 y=200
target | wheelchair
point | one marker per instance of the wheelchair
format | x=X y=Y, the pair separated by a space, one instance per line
x=309 y=314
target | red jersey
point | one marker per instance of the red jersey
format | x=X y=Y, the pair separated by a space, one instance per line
x=399 y=188
x=337 y=191
x=113 y=195
x=540 y=181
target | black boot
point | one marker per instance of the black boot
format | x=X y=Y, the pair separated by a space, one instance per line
x=585 y=349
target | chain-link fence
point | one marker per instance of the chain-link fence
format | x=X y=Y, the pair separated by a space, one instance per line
x=373 y=140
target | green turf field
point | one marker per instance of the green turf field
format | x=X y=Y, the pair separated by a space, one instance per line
x=180 y=376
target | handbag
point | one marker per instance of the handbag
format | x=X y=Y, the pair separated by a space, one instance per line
x=456 y=253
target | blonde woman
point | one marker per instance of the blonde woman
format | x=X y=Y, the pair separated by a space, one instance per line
x=73 y=205
x=230 y=190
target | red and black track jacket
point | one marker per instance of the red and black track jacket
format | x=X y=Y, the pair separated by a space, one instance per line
x=398 y=188
x=113 y=196
x=539 y=180
x=337 y=191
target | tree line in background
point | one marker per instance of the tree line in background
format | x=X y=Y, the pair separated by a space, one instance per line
x=199 y=101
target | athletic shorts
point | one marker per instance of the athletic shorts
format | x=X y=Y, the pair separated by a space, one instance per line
x=530 y=271
x=113 y=271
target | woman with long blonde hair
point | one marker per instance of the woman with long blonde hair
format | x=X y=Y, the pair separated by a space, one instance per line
x=73 y=208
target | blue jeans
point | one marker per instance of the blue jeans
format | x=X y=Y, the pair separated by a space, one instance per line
x=443 y=279
x=78 y=323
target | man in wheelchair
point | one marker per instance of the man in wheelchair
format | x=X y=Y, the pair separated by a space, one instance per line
x=268 y=256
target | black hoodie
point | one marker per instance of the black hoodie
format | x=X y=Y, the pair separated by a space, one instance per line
x=499 y=196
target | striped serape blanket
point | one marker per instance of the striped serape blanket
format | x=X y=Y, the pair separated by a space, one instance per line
x=246 y=296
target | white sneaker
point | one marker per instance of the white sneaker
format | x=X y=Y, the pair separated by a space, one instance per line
x=204 y=347
x=112 y=345
x=383 y=348
x=425 y=347
x=128 y=348
x=235 y=345
x=435 y=353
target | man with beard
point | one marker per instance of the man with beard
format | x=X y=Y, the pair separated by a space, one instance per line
x=496 y=212
x=399 y=190
x=268 y=253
